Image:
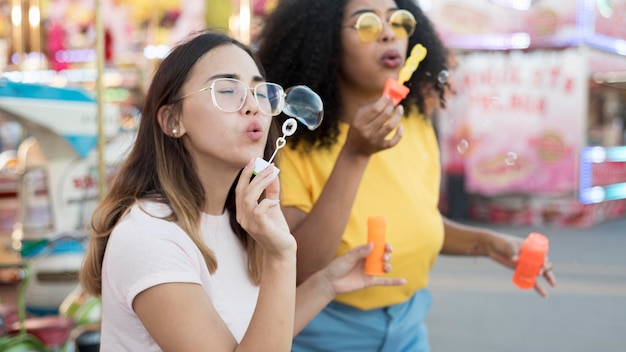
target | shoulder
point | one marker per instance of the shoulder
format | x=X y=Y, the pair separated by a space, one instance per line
x=146 y=226
x=145 y=247
x=147 y=216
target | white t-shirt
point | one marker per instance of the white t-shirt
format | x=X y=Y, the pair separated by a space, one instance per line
x=144 y=251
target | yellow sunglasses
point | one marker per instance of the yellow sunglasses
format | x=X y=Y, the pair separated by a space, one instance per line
x=369 y=25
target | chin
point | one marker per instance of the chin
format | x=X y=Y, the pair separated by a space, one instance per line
x=253 y=156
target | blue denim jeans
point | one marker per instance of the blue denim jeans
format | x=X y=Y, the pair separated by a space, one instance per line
x=396 y=328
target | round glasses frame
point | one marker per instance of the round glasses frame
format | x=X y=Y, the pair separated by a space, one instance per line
x=255 y=92
x=398 y=28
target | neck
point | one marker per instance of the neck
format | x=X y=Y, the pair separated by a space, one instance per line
x=216 y=184
x=352 y=98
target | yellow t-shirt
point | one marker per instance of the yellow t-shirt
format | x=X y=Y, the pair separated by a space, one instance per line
x=401 y=183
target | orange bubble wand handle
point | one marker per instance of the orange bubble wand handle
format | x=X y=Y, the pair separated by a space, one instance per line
x=531 y=258
x=376 y=228
x=396 y=90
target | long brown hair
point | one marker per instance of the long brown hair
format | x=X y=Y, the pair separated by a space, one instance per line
x=160 y=168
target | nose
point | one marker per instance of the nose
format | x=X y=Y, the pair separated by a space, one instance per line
x=387 y=34
x=250 y=106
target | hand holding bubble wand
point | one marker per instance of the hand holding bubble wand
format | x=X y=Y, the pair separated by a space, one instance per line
x=301 y=104
x=396 y=90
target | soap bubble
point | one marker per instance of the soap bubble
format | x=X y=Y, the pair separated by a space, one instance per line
x=462 y=146
x=443 y=76
x=495 y=103
x=304 y=105
x=510 y=159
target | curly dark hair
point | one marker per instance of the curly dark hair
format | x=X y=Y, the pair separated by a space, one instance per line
x=301 y=44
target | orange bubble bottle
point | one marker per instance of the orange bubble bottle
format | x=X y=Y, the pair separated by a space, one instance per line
x=531 y=258
x=376 y=228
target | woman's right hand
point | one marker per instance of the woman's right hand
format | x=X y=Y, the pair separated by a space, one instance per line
x=263 y=219
x=372 y=125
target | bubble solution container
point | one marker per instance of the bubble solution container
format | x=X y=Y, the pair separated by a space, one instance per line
x=531 y=259
x=395 y=90
x=376 y=227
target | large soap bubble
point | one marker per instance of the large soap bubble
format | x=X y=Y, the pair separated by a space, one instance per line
x=304 y=105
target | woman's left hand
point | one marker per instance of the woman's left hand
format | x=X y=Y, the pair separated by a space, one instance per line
x=346 y=273
x=505 y=249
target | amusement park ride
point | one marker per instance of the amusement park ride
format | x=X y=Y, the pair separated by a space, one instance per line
x=61 y=125
x=56 y=169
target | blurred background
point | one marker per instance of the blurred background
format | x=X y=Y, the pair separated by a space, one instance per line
x=533 y=139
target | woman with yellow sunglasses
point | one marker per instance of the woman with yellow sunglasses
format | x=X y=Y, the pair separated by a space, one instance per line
x=368 y=157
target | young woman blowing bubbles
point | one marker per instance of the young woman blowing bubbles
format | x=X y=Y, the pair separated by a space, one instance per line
x=368 y=157
x=190 y=252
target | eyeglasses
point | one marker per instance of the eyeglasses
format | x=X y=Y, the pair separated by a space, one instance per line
x=368 y=25
x=229 y=95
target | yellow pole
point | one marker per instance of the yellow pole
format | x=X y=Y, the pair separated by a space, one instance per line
x=34 y=23
x=245 y=19
x=99 y=97
x=17 y=33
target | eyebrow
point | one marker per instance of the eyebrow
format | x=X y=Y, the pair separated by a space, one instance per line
x=362 y=11
x=232 y=75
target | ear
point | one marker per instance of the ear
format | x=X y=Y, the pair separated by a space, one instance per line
x=169 y=122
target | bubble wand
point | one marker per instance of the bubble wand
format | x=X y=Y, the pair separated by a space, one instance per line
x=303 y=105
x=395 y=89
x=289 y=128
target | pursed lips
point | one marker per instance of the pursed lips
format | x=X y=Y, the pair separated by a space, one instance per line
x=254 y=131
x=391 y=59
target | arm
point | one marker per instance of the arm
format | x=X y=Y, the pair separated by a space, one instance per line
x=470 y=240
x=344 y=274
x=181 y=317
x=319 y=232
x=464 y=240
x=188 y=319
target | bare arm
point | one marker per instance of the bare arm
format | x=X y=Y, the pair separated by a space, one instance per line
x=319 y=232
x=181 y=317
x=461 y=239
x=187 y=320
x=344 y=274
